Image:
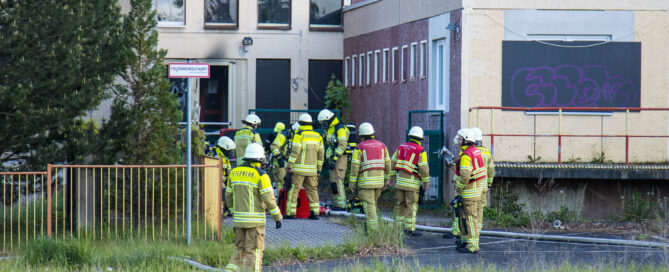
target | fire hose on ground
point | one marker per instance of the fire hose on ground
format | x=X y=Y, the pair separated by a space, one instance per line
x=529 y=236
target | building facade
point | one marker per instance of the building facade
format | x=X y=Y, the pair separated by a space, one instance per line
x=263 y=54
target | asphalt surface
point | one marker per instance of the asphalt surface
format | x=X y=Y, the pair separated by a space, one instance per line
x=502 y=253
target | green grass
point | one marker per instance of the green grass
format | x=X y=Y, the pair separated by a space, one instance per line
x=398 y=265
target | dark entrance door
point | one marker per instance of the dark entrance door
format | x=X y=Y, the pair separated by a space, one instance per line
x=273 y=89
x=320 y=73
x=214 y=97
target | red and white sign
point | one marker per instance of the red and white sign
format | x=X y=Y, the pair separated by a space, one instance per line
x=185 y=70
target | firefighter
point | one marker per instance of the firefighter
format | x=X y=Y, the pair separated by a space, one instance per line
x=247 y=134
x=224 y=148
x=370 y=170
x=490 y=174
x=410 y=170
x=336 y=160
x=304 y=163
x=249 y=195
x=455 y=228
x=470 y=172
x=278 y=150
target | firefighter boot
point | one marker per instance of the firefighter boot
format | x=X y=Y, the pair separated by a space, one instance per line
x=313 y=215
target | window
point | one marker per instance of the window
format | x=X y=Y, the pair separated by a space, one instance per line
x=412 y=60
x=346 y=65
x=393 y=69
x=325 y=14
x=384 y=70
x=403 y=63
x=171 y=12
x=274 y=14
x=439 y=73
x=423 y=59
x=221 y=13
x=368 y=78
x=377 y=56
x=353 y=63
x=361 y=65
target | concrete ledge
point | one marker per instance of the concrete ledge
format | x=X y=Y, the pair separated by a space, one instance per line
x=582 y=171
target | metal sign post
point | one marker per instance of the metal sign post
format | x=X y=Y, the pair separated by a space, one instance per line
x=188 y=70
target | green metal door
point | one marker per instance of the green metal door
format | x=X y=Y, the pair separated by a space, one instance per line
x=432 y=123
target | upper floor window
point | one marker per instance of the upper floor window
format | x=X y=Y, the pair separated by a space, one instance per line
x=325 y=13
x=221 y=13
x=274 y=14
x=171 y=12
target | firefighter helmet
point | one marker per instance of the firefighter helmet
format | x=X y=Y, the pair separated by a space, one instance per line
x=325 y=115
x=366 y=129
x=295 y=126
x=254 y=152
x=305 y=118
x=279 y=127
x=226 y=143
x=416 y=132
x=467 y=135
x=252 y=119
x=478 y=134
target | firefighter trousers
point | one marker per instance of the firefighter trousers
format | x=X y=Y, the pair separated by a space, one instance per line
x=483 y=202
x=310 y=186
x=368 y=198
x=407 y=206
x=337 y=176
x=468 y=223
x=278 y=174
x=249 y=246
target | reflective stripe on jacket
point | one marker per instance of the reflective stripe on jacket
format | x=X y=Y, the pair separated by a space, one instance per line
x=336 y=139
x=306 y=155
x=471 y=173
x=243 y=137
x=489 y=165
x=277 y=147
x=249 y=195
x=370 y=165
x=412 y=169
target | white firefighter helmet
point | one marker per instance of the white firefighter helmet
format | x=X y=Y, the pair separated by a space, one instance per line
x=252 y=119
x=226 y=143
x=254 y=152
x=305 y=118
x=478 y=134
x=325 y=115
x=366 y=129
x=416 y=132
x=296 y=126
x=467 y=135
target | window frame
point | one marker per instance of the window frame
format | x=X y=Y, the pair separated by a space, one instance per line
x=219 y=25
x=413 y=59
x=346 y=65
x=384 y=70
x=353 y=63
x=403 y=55
x=275 y=26
x=368 y=70
x=377 y=56
x=361 y=62
x=168 y=23
x=335 y=28
x=423 y=59
x=394 y=66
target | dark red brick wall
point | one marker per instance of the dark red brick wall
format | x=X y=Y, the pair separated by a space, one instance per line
x=386 y=104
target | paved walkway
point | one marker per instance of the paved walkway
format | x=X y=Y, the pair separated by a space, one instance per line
x=304 y=232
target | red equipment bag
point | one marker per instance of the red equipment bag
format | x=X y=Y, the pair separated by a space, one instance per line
x=302 y=203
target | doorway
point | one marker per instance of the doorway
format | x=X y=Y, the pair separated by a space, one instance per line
x=214 y=97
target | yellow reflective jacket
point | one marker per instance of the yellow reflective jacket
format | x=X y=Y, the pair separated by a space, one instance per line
x=469 y=190
x=225 y=163
x=307 y=152
x=243 y=137
x=373 y=178
x=336 y=139
x=489 y=166
x=249 y=195
x=278 y=147
x=406 y=181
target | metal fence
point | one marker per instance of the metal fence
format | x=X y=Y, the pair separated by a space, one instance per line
x=270 y=117
x=109 y=202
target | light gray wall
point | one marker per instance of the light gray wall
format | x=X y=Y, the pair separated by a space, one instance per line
x=521 y=23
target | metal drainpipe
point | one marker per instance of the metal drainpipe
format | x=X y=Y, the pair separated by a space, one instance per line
x=531 y=236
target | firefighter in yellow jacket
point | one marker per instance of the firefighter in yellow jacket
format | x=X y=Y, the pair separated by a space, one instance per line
x=278 y=150
x=336 y=159
x=305 y=163
x=224 y=148
x=370 y=170
x=410 y=170
x=247 y=134
x=249 y=195
x=490 y=174
x=470 y=173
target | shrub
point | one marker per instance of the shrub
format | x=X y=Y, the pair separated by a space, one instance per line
x=57 y=252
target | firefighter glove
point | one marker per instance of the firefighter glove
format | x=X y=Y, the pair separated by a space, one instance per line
x=278 y=224
x=332 y=164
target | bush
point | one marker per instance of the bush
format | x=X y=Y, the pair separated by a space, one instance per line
x=57 y=252
x=639 y=208
x=506 y=212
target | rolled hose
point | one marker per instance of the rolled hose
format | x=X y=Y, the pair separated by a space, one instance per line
x=529 y=236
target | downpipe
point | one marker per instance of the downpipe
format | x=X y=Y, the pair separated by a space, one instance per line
x=529 y=236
